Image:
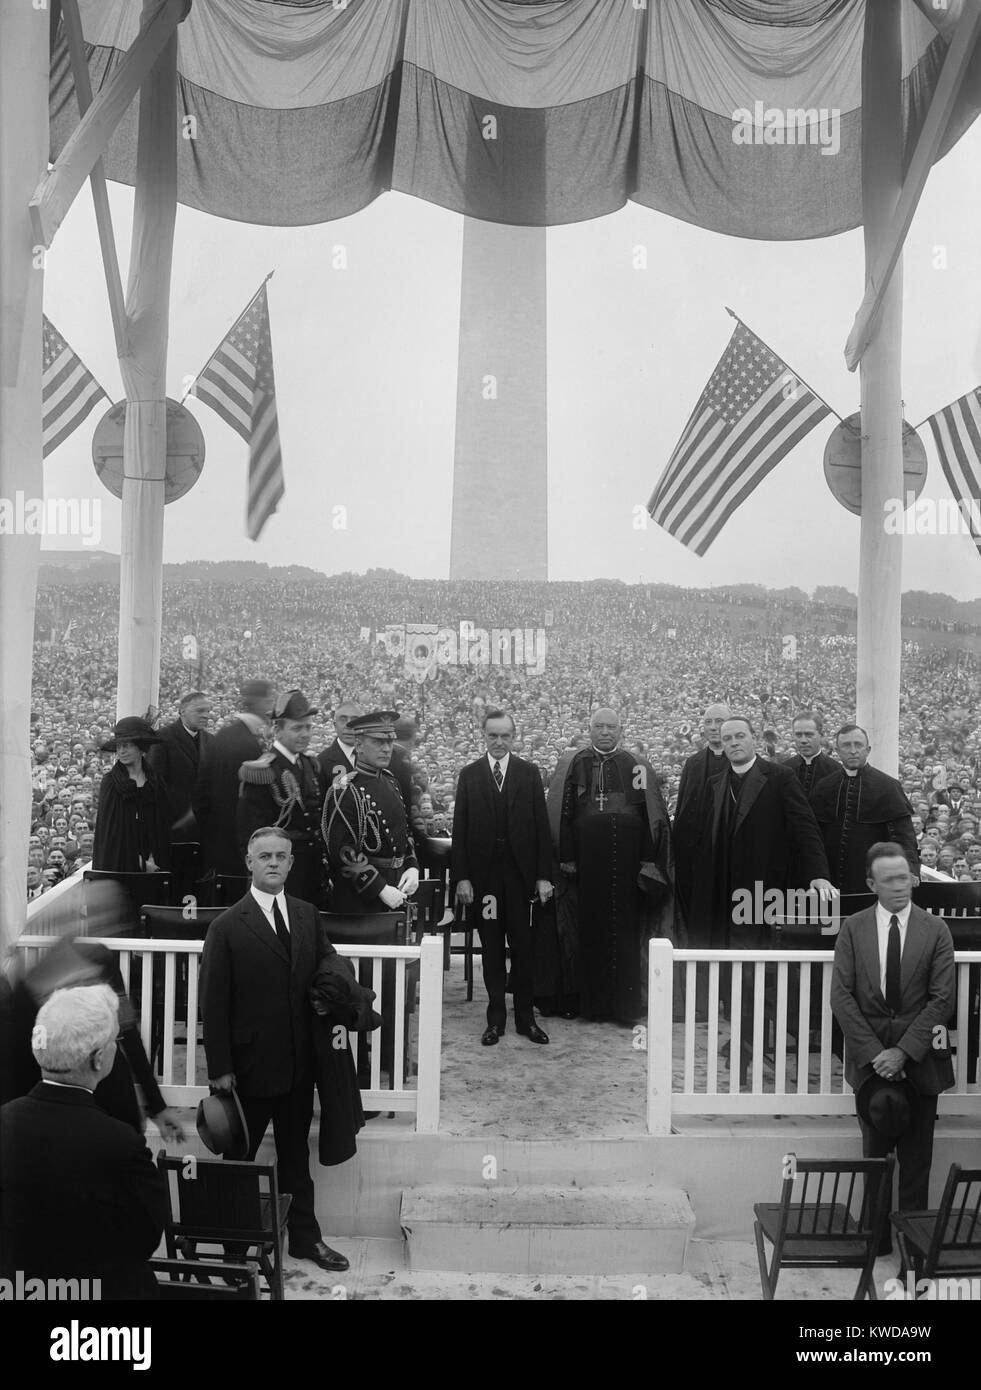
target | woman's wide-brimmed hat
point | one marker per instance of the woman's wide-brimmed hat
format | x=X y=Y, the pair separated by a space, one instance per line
x=133 y=728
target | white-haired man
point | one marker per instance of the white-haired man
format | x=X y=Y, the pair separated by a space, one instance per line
x=81 y=1196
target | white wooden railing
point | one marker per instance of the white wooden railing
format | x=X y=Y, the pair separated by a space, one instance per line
x=687 y=1073
x=184 y=1070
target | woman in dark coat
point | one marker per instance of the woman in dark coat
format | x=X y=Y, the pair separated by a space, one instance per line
x=132 y=828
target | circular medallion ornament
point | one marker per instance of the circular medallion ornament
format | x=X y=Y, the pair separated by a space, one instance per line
x=185 y=450
x=843 y=463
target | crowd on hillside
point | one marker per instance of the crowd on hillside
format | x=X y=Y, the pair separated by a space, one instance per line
x=657 y=655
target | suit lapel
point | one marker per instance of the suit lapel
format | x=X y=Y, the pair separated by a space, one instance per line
x=510 y=781
x=917 y=937
x=718 y=810
x=260 y=928
x=867 y=944
x=754 y=784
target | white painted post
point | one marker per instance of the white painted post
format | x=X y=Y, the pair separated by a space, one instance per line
x=430 y=1034
x=660 y=970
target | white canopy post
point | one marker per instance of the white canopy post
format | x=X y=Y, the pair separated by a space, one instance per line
x=24 y=46
x=881 y=555
x=144 y=371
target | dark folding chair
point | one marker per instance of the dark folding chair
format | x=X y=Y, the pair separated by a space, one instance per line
x=426 y=908
x=230 y=887
x=831 y=1221
x=160 y=923
x=463 y=922
x=191 y=1280
x=139 y=889
x=217 y=1202
x=946 y=1241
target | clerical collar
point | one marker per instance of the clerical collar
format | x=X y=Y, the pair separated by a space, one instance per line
x=852 y=771
x=290 y=757
x=603 y=753
x=68 y=1085
x=741 y=771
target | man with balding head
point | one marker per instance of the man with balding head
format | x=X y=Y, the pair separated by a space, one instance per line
x=340 y=757
x=614 y=849
x=687 y=827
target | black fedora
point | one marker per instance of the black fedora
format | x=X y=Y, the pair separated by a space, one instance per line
x=132 y=727
x=886 y=1105
x=221 y=1125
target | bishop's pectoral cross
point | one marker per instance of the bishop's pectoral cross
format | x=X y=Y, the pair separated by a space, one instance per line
x=601 y=798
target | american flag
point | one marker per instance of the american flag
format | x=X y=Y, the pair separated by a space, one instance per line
x=68 y=389
x=753 y=411
x=238 y=383
x=957 y=435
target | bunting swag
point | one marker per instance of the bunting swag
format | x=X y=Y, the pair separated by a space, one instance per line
x=525 y=113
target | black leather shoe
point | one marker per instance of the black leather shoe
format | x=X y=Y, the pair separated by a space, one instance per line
x=321 y=1255
x=534 y=1033
x=492 y=1034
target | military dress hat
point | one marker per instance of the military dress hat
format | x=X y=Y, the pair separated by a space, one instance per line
x=292 y=704
x=132 y=727
x=221 y=1125
x=887 y=1105
x=379 y=721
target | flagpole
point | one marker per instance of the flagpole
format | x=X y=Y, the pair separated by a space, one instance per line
x=810 y=388
x=241 y=316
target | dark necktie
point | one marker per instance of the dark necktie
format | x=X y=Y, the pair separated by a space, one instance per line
x=280 y=924
x=498 y=776
x=893 y=991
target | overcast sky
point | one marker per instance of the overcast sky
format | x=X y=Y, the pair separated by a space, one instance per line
x=366 y=365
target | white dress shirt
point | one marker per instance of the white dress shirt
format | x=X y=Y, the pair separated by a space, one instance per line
x=265 y=901
x=882 y=919
x=290 y=757
x=504 y=767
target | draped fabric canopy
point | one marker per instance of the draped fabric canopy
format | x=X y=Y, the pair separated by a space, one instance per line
x=525 y=113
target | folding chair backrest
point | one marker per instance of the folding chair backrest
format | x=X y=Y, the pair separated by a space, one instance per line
x=370 y=928
x=833 y=1200
x=139 y=888
x=221 y=1200
x=171 y=924
x=958 y=1228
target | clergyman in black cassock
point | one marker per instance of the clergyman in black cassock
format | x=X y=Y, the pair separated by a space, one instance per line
x=615 y=842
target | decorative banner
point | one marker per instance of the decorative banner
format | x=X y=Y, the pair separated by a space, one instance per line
x=392 y=638
x=420 y=650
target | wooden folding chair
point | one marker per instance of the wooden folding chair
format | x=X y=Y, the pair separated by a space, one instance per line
x=946 y=1241
x=826 y=1219
x=180 y=1280
x=217 y=1202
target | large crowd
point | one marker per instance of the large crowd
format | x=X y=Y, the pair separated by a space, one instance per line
x=656 y=654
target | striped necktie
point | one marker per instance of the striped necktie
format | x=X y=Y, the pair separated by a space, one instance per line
x=498 y=776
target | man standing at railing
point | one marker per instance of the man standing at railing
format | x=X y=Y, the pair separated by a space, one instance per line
x=259 y=961
x=893 y=991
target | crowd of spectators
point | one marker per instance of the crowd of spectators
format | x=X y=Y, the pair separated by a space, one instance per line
x=656 y=654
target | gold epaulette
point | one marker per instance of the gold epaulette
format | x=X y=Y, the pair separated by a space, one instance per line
x=258 y=772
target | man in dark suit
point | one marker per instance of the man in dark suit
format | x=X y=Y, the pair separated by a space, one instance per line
x=892 y=991
x=687 y=827
x=340 y=756
x=82 y=1198
x=759 y=835
x=810 y=763
x=259 y=960
x=216 y=793
x=178 y=758
x=858 y=806
x=283 y=787
x=501 y=858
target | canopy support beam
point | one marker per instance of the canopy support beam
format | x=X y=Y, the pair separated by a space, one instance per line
x=955 y=68
x=144 y=370
x=881 y=555
x=24 y=69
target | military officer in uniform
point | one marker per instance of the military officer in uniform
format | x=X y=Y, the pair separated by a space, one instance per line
x=285 y=788
x=365 y=825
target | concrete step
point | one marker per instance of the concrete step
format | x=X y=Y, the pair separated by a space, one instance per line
x=531 y=1229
